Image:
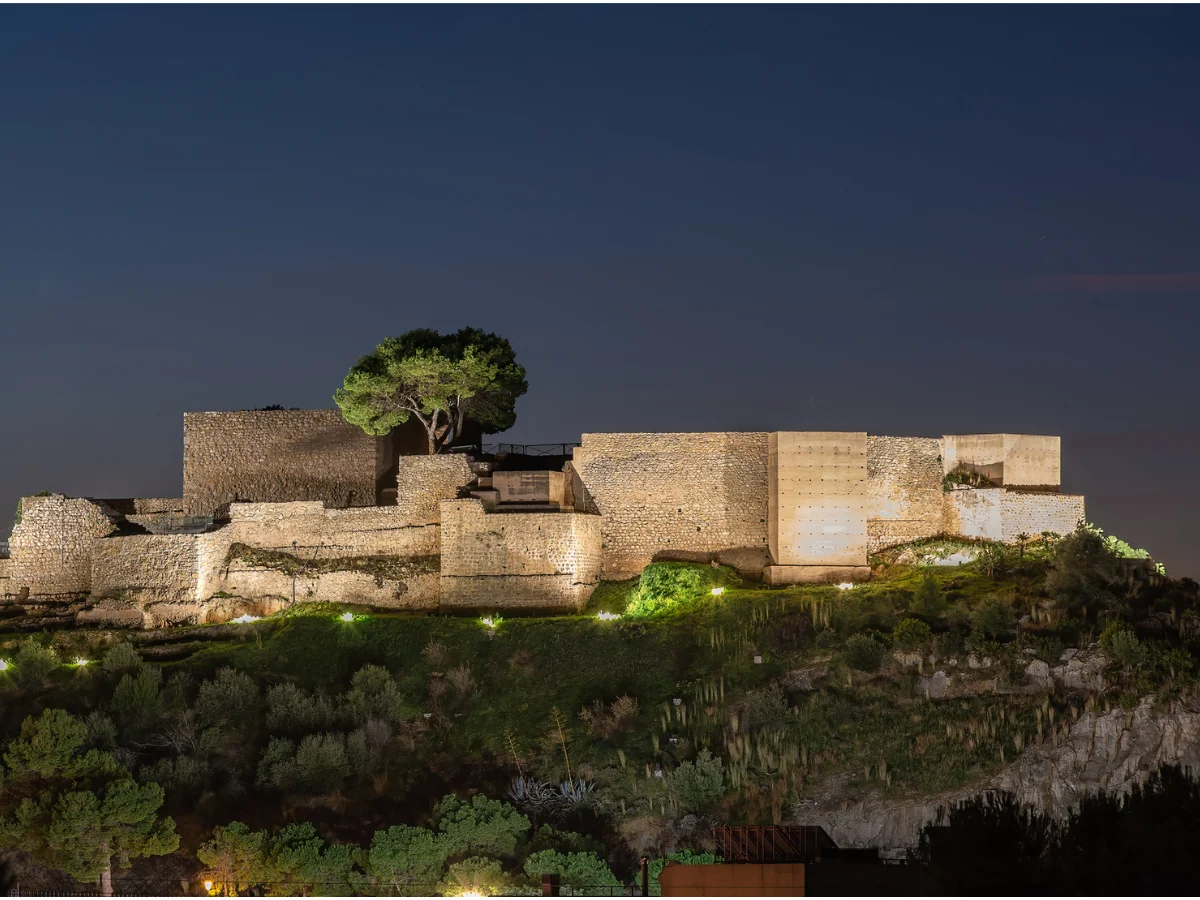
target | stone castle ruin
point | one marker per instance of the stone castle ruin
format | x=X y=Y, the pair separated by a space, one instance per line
x=283 y=506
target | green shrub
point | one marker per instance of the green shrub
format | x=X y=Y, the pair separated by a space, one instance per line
x=929 y=601
x=178 y=774
x=476 y=876
x=664 y=586
x=230 y=700
x=992 y=620
x=321 y=762
x=137 y=703
x=373 y=694
x=699 y=785
x=295 y=712
x=33 y=664
x=912 y=634
x=481 y=826
x=121 y=658
x=864 y=653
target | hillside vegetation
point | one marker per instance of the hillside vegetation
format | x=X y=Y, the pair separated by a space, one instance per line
x=684 y=697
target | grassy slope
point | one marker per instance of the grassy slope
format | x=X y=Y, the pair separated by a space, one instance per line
x=779 y=741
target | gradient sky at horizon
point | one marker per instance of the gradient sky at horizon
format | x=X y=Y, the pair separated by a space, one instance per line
x=904 y=220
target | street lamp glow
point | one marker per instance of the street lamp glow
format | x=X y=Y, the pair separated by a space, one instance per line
x=208 y=885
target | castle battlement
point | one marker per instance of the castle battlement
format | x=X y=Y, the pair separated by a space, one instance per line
x=288 y=505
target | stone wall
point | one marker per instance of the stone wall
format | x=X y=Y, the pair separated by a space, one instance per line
x=537 y=560
x=999 y=514
x=697 y=496
x=145 y=569
x=975 y=513
x=51 y=548
x=276 y=456
x=423 y=481
x=375 y=556
x=904 y=490
x=1033 y=512
x=154 y=514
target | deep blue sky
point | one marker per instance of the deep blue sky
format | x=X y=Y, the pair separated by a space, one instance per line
x=902 y=220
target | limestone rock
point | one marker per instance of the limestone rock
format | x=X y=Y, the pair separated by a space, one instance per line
x=1107 y=751
x=1038 y=672
x=1082 y=671
x=936 y=685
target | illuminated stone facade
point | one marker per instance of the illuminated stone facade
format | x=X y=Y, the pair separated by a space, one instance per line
x=449 y=532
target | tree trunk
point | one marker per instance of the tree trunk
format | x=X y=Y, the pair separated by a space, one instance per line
x=106 y=888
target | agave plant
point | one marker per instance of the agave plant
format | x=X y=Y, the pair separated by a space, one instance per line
x=532 y=796
x=576 y=795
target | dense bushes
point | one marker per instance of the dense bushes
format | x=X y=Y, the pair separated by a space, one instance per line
x=482 y=846
x=864 y=653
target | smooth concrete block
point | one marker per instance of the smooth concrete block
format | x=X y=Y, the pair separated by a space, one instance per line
x=816 y=574
x=817 y=498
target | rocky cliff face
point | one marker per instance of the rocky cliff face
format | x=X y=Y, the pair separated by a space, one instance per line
x=1101 y=751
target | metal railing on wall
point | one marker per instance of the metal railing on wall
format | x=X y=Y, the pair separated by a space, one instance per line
x=531 y=449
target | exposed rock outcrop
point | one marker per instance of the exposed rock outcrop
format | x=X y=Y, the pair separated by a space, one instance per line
x=1102 y=751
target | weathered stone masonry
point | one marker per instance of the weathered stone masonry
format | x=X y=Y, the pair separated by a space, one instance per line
x=784 y=505
x=51 y=548
x=681 y=496
x=545 y=560
x=275 y=456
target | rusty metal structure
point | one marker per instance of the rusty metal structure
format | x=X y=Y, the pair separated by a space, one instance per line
x=772 y=843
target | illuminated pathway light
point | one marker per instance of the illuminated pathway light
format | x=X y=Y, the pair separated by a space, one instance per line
x=3 y=664
x=845 y=585
x=607 y=616
x=208 y=885
x=347 y=617
x=718 y=591
x=80 y=661
x=243 y=619
x=490 y=623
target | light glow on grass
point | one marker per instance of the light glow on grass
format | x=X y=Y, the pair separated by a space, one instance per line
x=3 y=665
x=718 y=591
x=245 y=619
x=492 y=621
x=845 y=585
x=347 y=617
x=607 y=616
x=80 y=661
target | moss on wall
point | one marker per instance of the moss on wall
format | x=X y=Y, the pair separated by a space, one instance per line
x=390 y=568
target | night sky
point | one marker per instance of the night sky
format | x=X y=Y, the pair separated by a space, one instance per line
x=908 y=221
